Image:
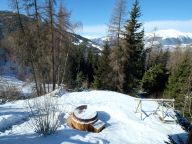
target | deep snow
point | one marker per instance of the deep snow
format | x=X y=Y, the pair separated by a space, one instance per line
x=117 y=110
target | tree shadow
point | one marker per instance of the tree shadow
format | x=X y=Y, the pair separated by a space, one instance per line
x=62 y=119
x=16 y=117
x=105 y=117
x=6 y=110
x=180 y=138
x=153 y=112
x=147 y=114
x=66 y=135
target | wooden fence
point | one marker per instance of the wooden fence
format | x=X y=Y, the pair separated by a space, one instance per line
x=164 y=105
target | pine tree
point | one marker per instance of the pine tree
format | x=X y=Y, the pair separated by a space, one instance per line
x=178 y=85
x=133 y=48
x=154 y=79
x=79 y=80
x=44 y=42
x=116 y=75
x=180 y=80
x=90 y=67
x=117 y=21
x=64 y=42
x=101 y=79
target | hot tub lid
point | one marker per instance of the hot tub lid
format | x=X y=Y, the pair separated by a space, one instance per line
x=84 y=113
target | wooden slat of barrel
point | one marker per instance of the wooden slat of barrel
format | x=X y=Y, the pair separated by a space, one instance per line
x=82 y=118
x=81 y=125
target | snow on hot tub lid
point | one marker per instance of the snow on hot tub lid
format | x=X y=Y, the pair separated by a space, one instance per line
x=85 y=114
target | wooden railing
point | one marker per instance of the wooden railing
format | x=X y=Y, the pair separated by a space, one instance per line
x=163 y=106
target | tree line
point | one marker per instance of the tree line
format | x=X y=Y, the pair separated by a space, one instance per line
x=46 y=45
x=125 y=59
x=128 y=67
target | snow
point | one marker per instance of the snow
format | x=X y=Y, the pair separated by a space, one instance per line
x=90 y=44
x=26 y=88
x=7 y=121
x=11 y=114
x=150 y=44
x=98 y=124
x=11 y=80
x=96 y=46
x=116 y=110
x=85 y=114
x=170 y=33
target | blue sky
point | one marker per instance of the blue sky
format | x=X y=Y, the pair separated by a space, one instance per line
x=95 y=14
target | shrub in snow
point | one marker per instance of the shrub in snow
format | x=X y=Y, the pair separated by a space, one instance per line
x=60 y=91
x=21 y=75
x=9 y=92
x=44 y=115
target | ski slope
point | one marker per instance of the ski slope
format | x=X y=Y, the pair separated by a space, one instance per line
x=117 y=110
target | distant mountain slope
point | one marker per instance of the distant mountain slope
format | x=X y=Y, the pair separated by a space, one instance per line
x=166 y=38
x=89 y=43
x=9 y=23
x=170 y=37
x=100 y=41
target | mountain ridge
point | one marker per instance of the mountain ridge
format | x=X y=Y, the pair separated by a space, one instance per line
x=9 y=23
x=167 y=37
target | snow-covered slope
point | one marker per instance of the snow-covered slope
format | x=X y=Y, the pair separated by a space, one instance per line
x=87 y=42
x=117 y=110
x=170 y=33
x=100 y=41
x=170 y=37
x=26 y=88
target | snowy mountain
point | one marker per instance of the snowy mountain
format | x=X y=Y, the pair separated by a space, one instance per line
x=170 y=37
x=166 y=38
x=100 y=41
x=89 y=43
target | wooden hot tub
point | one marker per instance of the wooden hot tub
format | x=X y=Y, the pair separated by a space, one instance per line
x=85 y=119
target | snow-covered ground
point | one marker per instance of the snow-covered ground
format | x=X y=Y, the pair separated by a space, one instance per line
x=117 y=110
x=26 y=88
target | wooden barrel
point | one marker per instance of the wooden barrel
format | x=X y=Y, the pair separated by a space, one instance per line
x=83 y=117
